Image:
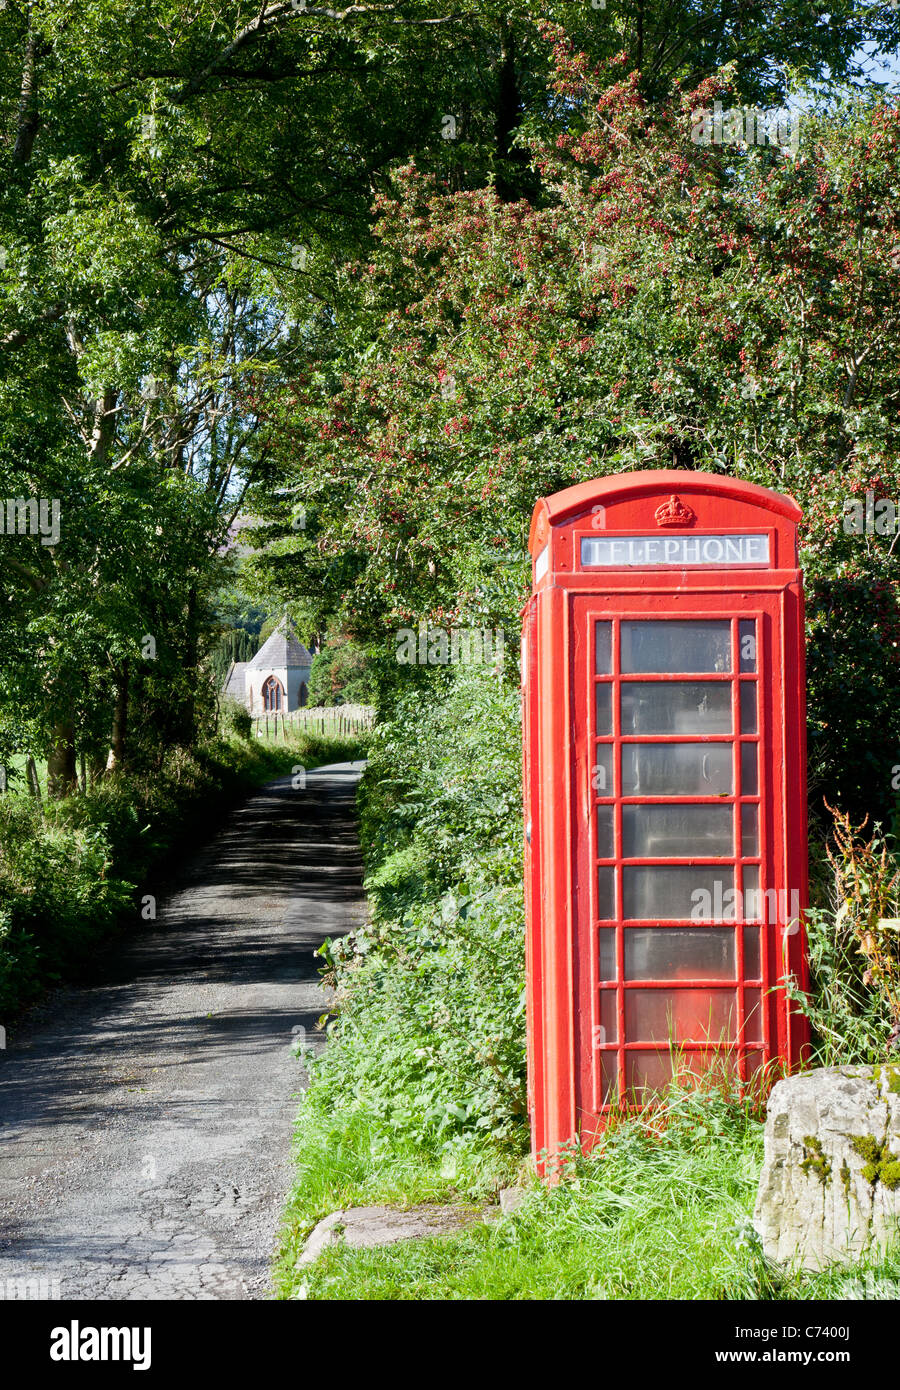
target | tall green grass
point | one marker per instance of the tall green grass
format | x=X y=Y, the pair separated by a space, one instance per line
x=661 y=1209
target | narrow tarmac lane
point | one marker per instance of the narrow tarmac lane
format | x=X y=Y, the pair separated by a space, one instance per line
x=145 y=1121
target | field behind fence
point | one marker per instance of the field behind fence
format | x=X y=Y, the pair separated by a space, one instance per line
x=336 y=720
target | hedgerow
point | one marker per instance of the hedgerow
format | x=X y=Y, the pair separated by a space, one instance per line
x=428 y=1043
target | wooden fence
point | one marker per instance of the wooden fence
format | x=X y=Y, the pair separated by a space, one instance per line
x=339 y=721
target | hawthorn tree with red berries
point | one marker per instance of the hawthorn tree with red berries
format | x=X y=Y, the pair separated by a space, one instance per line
x=662 y=303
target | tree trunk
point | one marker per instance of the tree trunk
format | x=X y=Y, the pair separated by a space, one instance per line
x=186 y=726
x=507 y=116
x=34 y=785
x=118 y=750
x=62 y=777
x=28 y=119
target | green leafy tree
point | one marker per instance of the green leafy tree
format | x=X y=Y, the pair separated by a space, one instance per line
x=340 y=675
x=183 y=193
x=666 y=304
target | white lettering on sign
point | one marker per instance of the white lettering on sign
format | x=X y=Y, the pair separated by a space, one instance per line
x=622 y=551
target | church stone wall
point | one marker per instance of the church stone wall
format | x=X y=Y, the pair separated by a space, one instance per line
x=291 y=679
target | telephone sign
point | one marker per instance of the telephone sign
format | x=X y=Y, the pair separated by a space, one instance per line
x=664 y=758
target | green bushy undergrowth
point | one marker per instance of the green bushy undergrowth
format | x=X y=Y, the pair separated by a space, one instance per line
x=428 y=1046
x=853 y=941
x=69 y=871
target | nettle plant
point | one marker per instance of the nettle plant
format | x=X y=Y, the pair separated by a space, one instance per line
x=854 y=949
x=868 y=876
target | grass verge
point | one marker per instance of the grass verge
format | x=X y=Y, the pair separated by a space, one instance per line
x=660 y=1210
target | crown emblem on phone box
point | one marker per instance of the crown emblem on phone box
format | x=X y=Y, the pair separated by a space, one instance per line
x=675 y=513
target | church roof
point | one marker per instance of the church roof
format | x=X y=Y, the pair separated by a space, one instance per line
x=283 y=649
x=234 y=681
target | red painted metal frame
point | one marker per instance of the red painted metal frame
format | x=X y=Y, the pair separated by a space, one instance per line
x=566 y=1095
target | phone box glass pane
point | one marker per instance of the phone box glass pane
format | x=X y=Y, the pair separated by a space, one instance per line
x=673 y=644
x=753 y=1016
x=676 y=769
x=603 y=649
x=606 y=952
x=752 y=962
x=652 y=1071
x=608 y=1031
x=602 y=771
x=609 y=1077
x=647 y=1071
x=749 y=782
x=603 y=704
x=747 y=644
x=748 y=707
x=606 y=895
x=752 y=897
x=661 y=832
x=680 y=1015
x=676 y=707
x=663 y=892
x=680 y=953
x=604 y=832
x=750 y=831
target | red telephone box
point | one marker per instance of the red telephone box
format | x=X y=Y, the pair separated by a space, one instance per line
x=665 y=790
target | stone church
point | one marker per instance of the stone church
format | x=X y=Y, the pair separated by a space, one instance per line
x=276 y=681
